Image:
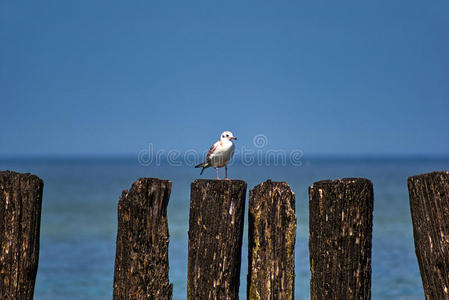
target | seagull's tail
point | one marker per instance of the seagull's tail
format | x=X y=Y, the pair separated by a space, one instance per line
x=204 y=165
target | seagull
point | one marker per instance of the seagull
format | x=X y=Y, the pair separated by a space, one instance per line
x=219 y=154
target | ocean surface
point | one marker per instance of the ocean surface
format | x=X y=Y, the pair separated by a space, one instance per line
x=79 y=219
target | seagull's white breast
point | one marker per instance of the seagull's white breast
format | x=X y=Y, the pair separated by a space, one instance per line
x=223 y=153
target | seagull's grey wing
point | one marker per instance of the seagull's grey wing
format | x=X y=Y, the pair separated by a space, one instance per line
x=211 y=151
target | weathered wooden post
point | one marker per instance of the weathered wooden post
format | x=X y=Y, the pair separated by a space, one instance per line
x=20 y=218
x=340 y=225
x=215 y=238
x=271 y=239
x=141 y=261
x=429 y=204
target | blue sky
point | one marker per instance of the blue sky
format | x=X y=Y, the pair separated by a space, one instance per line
x=326 y=77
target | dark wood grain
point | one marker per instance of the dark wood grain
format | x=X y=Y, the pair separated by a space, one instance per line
x=20 y=215
x=271 y=239
x=429 y=204
x=340 y=228
x=141 y=262
x=215 y=238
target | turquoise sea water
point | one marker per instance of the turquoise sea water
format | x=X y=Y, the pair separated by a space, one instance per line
x=79 y=219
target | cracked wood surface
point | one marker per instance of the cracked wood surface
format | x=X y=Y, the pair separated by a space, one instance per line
x=141 y=262
x=429 y=205
x=20 y=215
x=340 y=229
x=215 y=238
x=271 y=241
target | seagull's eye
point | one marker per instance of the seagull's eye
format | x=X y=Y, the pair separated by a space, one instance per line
x=227 y=135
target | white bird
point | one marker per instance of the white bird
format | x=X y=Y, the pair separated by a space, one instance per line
x=219 y=154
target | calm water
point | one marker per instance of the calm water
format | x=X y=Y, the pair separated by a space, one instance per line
x=79 y=220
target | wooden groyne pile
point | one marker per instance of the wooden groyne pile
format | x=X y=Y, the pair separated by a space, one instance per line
x=20 y=219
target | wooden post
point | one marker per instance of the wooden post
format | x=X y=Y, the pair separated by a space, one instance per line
x=340 y=226
x=20 y=217
x=141 y=261
x=215 y=238
x=271 y=239
x=429 y=204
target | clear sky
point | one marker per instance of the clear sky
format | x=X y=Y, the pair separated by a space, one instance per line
x=326 y=77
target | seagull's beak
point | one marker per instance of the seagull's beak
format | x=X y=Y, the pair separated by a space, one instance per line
x=233 y=138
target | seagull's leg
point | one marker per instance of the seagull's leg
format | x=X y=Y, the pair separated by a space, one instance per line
x=226 y=172
x=217 y=173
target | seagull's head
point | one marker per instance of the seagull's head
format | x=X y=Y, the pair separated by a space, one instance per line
x=227 y=135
